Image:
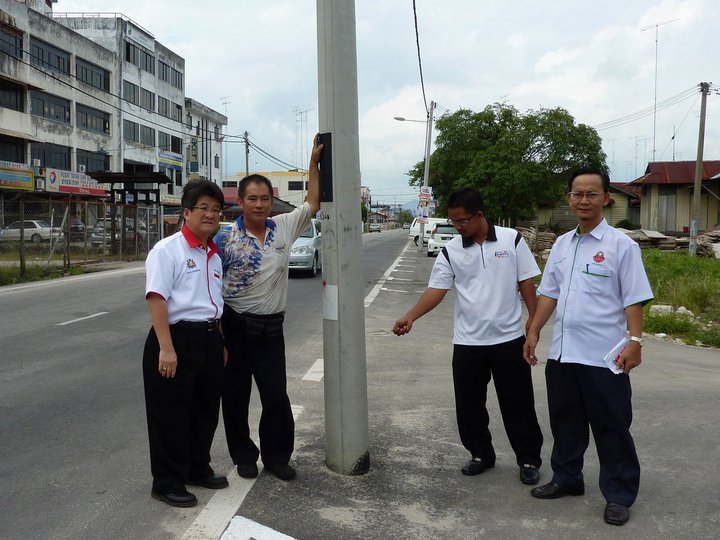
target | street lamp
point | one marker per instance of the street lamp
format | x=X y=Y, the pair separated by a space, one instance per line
x=428 y=137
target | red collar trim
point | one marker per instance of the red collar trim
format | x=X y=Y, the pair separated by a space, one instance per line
x=193 y=242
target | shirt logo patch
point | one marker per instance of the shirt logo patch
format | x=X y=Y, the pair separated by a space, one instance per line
x=216 y=274
x=599 y=257
x=502 y=254
x=191 y=263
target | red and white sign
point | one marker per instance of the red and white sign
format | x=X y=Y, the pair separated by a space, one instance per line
x=73 y=182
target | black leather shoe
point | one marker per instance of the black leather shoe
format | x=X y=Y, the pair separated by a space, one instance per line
x=282 y=471
x=247 y=470
x=181 y=499
x=555 y=491
x=476 y=466
x=214 y=481
x=529 y=474
x=616 y=514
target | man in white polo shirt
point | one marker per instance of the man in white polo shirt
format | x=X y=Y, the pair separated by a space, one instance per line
x=596 y=280
x=487 y=265
x=183 y=356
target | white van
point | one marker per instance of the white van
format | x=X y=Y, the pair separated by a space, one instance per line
x=415 y=228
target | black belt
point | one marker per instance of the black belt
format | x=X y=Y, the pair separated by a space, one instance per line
x=209 y=325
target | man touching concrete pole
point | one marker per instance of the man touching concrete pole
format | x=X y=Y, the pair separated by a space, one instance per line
x=346 y=417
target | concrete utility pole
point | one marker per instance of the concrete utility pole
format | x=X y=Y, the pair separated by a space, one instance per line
x=345 y=376
x=247 y=155
x=695 y=219
x=426 y=173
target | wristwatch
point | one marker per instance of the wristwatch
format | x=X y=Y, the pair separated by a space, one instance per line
x=637 y=340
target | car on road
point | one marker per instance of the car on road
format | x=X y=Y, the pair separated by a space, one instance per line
x=415 y=229
x=440 y=235
x=306 y=251
x=406 y=225
x=36 y=231
x=374 y=227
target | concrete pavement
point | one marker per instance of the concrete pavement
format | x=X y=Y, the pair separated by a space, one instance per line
x=414 y=488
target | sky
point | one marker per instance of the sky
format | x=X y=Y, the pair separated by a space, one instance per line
x=256 y=62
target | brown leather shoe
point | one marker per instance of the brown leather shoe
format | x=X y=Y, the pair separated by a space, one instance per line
x=616 y=514
x=555 y=491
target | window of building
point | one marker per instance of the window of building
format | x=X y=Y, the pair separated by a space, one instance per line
x=11 y=42
x=45 y=55
x=93 y=161
x=217 y=161
x=52 y=156
x=12 y=96
x=163 y=107
x=170 y=75
x=139 y=57
x=12 y=149
x=176 y=145
x=229 y=183
x=163 y=140
x=147 y=136
x=147 y=99
x=48 y=106
x=131 y=131
x=177 y=112
x=92 y=119
x=92 y=74
x=131 y=92
x=296 y=185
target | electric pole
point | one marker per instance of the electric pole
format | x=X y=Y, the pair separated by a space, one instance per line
x=695 y=219
x=247 y=154
x=345 y=376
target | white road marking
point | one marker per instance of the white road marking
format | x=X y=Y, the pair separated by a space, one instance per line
x=241 y=528
x=407 y=271
x=316 y=372
x=394 y=290
x=83 y=318
x=222 y=506
x=391 y=278
x=381 y=282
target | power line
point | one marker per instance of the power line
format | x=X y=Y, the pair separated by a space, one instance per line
x=417 y=42
x=669 y=102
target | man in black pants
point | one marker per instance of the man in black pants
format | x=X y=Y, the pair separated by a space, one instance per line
x=487 y=265
x=183 y=356
x=255 y=251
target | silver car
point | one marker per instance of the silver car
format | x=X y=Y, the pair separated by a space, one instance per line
x=441 y=234
x=306 y=251
x=36 y=231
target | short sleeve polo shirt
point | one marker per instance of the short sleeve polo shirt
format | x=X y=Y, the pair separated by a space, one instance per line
x=485 y=278
x=593 y=277
x=189 y=278
x=256 y=276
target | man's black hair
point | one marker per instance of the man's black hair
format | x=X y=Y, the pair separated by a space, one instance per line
x=195 y=189
x=590 y=170
x=468 y=199
x=253 y=179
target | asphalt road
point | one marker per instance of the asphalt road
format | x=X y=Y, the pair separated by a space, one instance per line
x=73 y=458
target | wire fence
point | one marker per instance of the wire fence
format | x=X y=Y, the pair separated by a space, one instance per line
x=48 y=232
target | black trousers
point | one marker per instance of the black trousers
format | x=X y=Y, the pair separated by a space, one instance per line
x=473 y=366
x=182 y=412
x=256 y=348
x=580 y=396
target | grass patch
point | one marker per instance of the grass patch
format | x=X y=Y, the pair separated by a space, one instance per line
x=693 y=282
x=9 y=275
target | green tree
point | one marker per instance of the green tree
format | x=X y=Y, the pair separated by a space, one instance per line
x=404 y=217
x=516 y=160
x=363 y=212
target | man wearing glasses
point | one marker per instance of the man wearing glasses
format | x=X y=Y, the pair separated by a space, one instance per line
x=486 y=265
x=596 y=280
x=183 y=356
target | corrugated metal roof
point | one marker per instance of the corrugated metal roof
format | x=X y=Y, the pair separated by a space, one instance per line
x=676 y=172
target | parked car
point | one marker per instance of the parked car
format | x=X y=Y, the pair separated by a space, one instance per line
x=306 y=251
x=440 y=235
x=415 y=229
x=76 y=229
x=374 y=227
x=406 y=225
x=36 y=231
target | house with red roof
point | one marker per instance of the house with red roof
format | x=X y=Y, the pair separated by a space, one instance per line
x=666 y=191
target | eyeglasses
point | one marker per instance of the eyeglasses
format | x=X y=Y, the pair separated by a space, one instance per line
x=578 y=195
x=460 y=222
x=207 y=209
